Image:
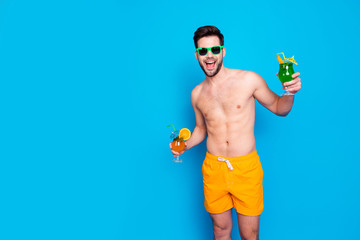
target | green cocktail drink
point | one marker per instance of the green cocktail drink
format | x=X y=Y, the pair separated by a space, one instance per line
x=285 y=72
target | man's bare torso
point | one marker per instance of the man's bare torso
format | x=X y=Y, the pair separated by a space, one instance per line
x=228 y=109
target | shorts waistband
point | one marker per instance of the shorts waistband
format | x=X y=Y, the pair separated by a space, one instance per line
x=232 y=159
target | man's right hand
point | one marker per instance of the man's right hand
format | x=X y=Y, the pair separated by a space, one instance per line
x=175 y=154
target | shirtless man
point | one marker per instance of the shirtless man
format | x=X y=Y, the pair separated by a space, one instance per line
x=224 y=105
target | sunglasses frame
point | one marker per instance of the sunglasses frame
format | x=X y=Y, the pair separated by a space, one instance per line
x=207 y=50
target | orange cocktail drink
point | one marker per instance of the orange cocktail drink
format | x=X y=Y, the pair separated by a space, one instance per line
x=178 y=145
x=179 y=138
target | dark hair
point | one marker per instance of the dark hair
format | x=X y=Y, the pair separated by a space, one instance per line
x=206 y=31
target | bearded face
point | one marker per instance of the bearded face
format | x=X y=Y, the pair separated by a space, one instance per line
x=210 y=63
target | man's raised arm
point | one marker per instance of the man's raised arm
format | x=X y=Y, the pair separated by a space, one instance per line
x=281 y=106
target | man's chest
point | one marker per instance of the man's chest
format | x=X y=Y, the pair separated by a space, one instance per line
x=218 y=103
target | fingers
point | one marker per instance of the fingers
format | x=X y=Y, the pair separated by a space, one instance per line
x=295 y=75
x=294 y=89
x=172 y=151
x=295 y=81
x=293 y=86
x=175 y=154
x=291 y=83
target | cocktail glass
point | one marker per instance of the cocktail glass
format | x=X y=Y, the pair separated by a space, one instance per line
x=285 y=72
x=177 y=144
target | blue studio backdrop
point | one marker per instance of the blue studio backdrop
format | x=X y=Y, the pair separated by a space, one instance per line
x=87 y=89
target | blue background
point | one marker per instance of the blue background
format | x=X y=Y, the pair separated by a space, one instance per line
x=88 y=88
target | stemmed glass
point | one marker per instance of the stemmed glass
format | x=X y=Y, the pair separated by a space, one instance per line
x=177 y=144
x=285 y=72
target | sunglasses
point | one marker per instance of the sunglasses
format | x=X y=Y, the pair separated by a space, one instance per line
x=215 y=50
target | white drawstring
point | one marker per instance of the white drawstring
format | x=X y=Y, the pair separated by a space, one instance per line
x=227 y=162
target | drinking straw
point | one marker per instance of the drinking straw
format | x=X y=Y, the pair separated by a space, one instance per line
x=283 y=56
x=171 y=126
x=279 y=59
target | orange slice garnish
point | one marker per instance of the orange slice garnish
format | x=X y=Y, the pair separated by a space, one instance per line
x=184 y=134
x=279 y=59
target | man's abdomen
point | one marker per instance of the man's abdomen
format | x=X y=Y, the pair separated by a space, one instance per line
x=233 y=145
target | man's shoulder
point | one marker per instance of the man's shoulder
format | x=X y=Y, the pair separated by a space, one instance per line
x=243 y=77
x=196 y=91
x=244 y=74
x=246 y=80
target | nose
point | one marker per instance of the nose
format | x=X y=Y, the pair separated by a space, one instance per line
x=209 y=53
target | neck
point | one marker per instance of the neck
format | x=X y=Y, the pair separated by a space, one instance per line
x=219 y=77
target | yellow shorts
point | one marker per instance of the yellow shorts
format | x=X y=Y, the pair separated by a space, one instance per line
x=233 y=182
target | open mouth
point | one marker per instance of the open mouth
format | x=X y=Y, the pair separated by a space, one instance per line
x=210 y=64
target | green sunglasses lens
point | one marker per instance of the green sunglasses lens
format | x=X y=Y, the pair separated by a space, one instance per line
x=215 y=50
x=202 y=51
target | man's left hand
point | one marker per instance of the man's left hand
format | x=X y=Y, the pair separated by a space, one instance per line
x=293 y=86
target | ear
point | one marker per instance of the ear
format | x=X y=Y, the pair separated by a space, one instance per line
x=196 y=55
x=224 y=52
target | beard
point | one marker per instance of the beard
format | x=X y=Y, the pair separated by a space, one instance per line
x=213 y=72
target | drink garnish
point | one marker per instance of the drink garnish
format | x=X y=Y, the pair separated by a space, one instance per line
x=171 y=126
x=292 y=60
x=285 y=59
x=185 y=134
x=279 y=59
